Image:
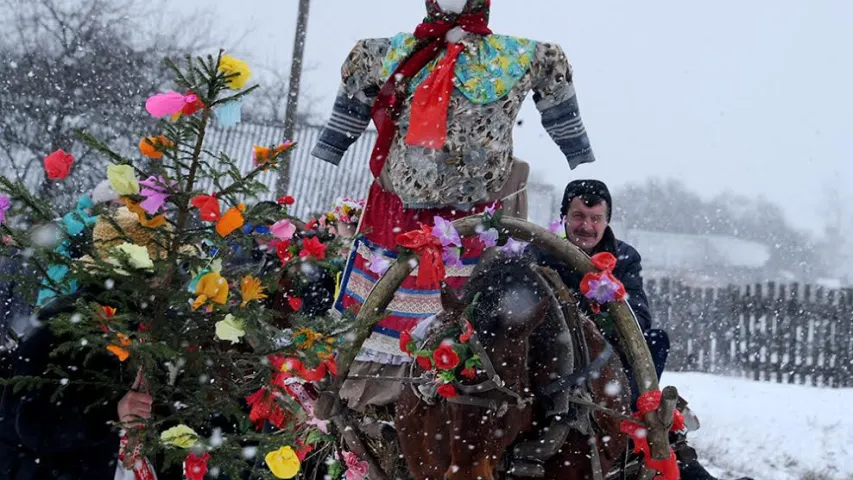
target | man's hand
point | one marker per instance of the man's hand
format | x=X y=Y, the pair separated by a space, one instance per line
x=135 y=406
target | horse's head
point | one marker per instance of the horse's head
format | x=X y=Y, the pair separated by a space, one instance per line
x=505 y=303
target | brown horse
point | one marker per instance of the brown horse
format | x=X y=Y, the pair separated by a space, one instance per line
x=464 y=441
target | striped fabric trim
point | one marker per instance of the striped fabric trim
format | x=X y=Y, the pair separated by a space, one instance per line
x=407 y=305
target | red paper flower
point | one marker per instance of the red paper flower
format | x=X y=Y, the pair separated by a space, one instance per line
x=424 y=362
x=192 y=105
x=286 y=200
x=469 y=373
x=649 y=402
x=295 y=303
x=468 y=333
x=195 y=467
x=445 y=357
x=208 y=207
x=282 y=249
x=312 y=248
x=57 y=165
x=303 y=449
x=405 y=339
x=604 y=261
x=312 y=224
x=263 y=407
x=447 y=390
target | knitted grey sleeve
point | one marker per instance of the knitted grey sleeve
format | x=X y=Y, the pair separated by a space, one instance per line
x=351 y=112
x=554 y=94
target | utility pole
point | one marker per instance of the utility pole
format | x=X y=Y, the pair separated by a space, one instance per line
x=293 y=92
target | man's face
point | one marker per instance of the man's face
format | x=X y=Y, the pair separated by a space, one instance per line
x=585 y=225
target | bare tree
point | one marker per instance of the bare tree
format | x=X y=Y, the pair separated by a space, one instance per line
x=80 y=64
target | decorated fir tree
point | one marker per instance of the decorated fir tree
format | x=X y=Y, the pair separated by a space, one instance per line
x=212 y=306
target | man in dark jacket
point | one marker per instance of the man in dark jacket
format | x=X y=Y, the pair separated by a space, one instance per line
x=587 y=208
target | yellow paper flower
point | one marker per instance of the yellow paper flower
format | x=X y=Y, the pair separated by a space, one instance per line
x=251 y=289
x=137 y=256
x=304 y=338
x=211 y=287
x=283 y=462
x=123 y=179
x=230 y=329
x=230 y=65
x=180 y=436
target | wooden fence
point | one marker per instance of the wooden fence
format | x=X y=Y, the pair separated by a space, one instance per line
x=783 y=333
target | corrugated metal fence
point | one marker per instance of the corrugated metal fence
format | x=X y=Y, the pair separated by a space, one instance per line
x=316 y=184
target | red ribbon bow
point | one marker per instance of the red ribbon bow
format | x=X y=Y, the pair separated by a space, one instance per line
x=649 y=402
x=428 y=248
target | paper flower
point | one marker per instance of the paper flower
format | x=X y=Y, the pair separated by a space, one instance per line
x=172 y=104
x=514 y=247
x=230 y=329
x=294 y=303
x=230 y=221
x=378 y=264
x=123 y=179
x=229 y=114
x=489 y=237
x=450 y=256
x=283 y=229
x=180 y=436
x=282 y=249
x=137 y=256
x=195 y=467
x=5 y=205
x=264 y=407
x=602 y=287
x=152 y=147
x=445 y=357
x=119 y=350
x=604 y=261
x=286 y=200
x=445 y=232
x=283 y=463
x=251 y=289
x=446 y=390
x=156 y=193
x=57 y=165
x=211 y=287
x=312 y=248
x=356 y=469
x=558 y=227
x=491 y=209
x=237 y=71
x=104 y=192
x=208 y=207
x=263 y=155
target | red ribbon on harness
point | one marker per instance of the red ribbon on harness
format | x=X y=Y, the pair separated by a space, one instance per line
x=428 y=248
x=649 y=402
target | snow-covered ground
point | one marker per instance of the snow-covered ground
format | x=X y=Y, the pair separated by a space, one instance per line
x=769 y=431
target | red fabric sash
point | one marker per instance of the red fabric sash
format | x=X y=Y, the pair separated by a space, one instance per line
x=386 y=109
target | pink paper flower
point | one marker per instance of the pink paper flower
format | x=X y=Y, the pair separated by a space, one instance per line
x=489 y=237
x=283 y=229
x=155 y=193
x=491 y=209
x=169 y=103
x=5 y=204
x=558 y=227
x=356 y=469
x=446 y=232
x=378 y=264
x=603 y=288
x=514 y=247
x=450 y=256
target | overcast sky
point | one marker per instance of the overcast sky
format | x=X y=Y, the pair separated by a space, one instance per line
x=751 y=96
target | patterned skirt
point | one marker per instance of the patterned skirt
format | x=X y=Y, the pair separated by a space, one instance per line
x=383 y=219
